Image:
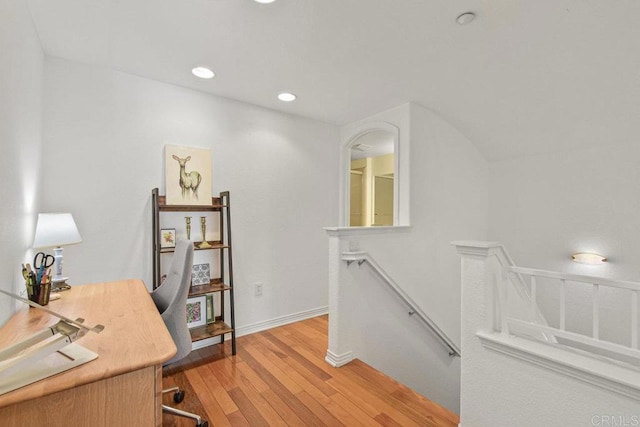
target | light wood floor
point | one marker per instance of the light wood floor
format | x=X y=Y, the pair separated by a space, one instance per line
x=279 y=378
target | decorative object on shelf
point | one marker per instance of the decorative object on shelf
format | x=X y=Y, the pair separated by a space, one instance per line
x=196 y=311
x=188 y=175
x=188 y=219
x=56 y=229
x=203 y=225
x=210 y=311
x=200 y=274
x=168 y=238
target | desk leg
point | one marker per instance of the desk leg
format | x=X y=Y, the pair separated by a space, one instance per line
x=158 y=400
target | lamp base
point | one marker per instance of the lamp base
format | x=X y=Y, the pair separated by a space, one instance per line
x=59 y=285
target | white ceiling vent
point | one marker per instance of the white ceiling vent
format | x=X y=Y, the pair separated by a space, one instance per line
x=361 y=147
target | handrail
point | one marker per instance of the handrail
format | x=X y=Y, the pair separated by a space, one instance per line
x=633 y=286
x=595 y=282
x=361 y=257
x=510 y=265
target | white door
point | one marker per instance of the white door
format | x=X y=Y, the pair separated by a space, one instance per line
x=355 y=201
x=382 y=200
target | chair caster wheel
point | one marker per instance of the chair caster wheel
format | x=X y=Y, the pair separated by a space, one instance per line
x=178 y=396
x=203 y=424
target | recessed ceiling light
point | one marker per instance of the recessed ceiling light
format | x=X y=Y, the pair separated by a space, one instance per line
x=264 y=1
x=287 y=97
x=203 y=72
x=466 y=18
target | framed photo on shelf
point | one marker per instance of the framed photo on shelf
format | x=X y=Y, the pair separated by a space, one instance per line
x=200 y=274
x=168 y=238
x=196 y=311
x=210 y=311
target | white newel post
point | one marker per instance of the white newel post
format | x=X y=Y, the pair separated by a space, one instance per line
x=337 y=353
x=480 y=275
x=482 y=278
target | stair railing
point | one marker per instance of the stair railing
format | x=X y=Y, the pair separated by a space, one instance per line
x=414 y=308
x=594 y=340
x=519 y=284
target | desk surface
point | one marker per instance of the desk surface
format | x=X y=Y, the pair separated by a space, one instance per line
x=134 y=336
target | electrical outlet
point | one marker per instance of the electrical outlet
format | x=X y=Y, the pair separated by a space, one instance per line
x=257 y=289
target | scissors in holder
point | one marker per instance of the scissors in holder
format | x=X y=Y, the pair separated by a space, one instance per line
x=41 y=262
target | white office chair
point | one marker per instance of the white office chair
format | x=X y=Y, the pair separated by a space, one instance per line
x=171 y=300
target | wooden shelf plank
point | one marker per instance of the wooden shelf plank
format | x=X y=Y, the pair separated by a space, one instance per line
x=215 y=205
x=215 y=244
x=216 y=285
x=211 y=330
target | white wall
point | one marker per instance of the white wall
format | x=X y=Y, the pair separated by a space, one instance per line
x=21 y=65
x=105 y=133
x=448 y=189
x=545 y=208
x=449 y=200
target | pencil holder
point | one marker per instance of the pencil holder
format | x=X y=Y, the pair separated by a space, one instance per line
x=29 y=291
x=45 y=293
x=39 y=294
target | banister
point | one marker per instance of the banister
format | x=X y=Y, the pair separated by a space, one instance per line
x=595 y=282
x=604 y=360
x=633 y=286
x=499 y=252
x=362 y=257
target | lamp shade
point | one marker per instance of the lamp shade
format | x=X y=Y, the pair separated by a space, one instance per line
x=56 y=229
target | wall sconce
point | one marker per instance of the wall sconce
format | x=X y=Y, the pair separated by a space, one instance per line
x=588 y=258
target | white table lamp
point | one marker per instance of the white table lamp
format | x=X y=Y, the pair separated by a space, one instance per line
x=56 y=230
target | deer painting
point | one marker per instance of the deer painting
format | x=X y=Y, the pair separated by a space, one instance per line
x=188 y=180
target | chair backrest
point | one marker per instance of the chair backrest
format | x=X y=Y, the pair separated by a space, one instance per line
x=171 y=298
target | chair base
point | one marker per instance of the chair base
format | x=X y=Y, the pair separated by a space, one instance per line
x=180 y=413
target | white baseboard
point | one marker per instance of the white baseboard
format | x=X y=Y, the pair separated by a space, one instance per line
x=264 y=325
x=337 y=360
x=196 y=345
x=280 y=321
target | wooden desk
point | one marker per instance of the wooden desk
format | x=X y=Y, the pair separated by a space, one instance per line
x=122 y=387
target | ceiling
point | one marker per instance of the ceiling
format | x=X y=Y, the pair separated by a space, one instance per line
x=526 y=77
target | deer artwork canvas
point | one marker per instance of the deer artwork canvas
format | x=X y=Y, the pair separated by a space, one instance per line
x=187 y=175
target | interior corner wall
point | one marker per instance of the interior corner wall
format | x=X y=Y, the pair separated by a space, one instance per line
x=105 y=134
x=449 y=202
x=21 y=74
